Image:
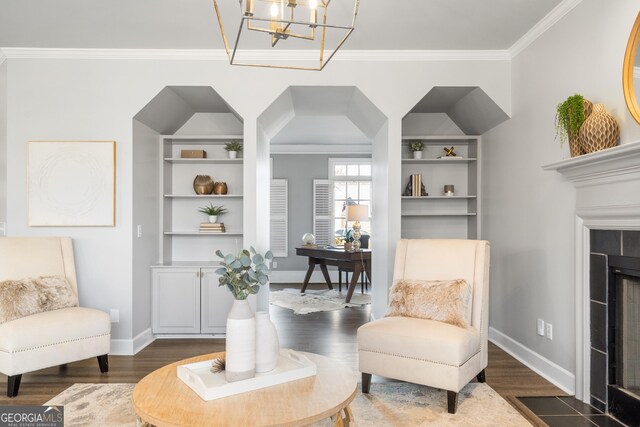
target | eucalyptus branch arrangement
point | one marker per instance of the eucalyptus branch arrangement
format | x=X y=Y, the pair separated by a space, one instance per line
x=244 y=273
x=569 y=117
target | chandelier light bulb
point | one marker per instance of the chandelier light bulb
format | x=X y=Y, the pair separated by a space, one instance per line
x=274 y=10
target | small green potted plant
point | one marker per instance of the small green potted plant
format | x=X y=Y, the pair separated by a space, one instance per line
x=416 y=147
x=213 y=212
x=233 y=148
x=570 y=115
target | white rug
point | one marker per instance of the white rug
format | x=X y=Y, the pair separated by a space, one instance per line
x=389 y=404
x=316 y=300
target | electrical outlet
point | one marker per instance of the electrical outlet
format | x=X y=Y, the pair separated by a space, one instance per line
x=139 y=231
x=541 y=327
x=549 y=333
x=115 y=315
x=274 y=264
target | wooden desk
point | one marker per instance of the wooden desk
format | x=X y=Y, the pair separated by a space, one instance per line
x=162 y=399
x=360 y=262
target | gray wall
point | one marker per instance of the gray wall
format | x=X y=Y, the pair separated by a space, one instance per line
x=146 y=158
x=300 y=170
x=529 y=214
x=3 y=141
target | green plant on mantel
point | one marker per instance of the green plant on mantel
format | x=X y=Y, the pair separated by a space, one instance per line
x=233 y=146
x=416 y=145
x=569 y=118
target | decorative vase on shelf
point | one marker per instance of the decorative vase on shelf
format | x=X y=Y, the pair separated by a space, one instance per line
x=232 y=154
x=213 y=219
x=599 y=131
x=220 y=188
x=240 y=342
x=267 y=343
x=417 y=154
x=575 y=142
x=203 y=184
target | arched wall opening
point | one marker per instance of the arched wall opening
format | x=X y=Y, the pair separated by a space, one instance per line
x=299 y=132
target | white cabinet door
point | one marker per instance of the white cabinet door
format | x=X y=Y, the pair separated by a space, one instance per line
x=216 y=303
x=176 y=300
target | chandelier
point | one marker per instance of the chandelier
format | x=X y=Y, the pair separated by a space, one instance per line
x=290 y=34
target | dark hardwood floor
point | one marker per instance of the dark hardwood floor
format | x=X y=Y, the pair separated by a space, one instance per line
x=332 y=334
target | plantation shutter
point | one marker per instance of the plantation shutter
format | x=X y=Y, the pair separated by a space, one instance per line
x=279 y=226
x=322 y=212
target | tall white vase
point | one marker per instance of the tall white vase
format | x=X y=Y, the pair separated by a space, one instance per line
x=241 y=342
x=267 y=343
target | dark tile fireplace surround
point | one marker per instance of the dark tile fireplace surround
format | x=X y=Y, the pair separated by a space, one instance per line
x=610 y=248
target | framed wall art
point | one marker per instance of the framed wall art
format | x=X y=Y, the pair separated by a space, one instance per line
x=71 y=183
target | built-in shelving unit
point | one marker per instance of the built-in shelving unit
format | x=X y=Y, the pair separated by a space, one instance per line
x=180 y=220
x=438 y=215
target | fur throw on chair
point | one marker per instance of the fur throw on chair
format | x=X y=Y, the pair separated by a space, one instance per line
x=20 y=298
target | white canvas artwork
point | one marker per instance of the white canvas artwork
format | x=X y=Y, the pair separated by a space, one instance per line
x=71 y=183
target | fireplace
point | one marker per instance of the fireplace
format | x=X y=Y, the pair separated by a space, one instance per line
x=623 y=392
x=614 y=292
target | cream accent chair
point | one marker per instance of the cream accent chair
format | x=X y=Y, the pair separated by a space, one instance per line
x=424 y=351
x=55 y=337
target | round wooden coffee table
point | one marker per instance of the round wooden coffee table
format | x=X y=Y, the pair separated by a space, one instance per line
x=162 y=399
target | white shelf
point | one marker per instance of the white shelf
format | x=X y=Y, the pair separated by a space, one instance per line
x=196 y=233
x=433 y=139
x=199 y=139
x=203 y=196
x=440 y=214
x=444 y=160
x=178 y=160
x=437 y=197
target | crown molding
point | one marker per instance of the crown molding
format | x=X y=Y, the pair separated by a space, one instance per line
x=542 y=26
x=255 y=55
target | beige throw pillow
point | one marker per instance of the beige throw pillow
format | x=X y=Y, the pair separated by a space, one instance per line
x=20 y=298
x=444 y=301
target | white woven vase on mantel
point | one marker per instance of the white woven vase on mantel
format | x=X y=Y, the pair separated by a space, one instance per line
x=241 y=342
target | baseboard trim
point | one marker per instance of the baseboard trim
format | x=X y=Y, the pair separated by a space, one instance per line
x=293 y=276
x=132 y=346
x=542 y=366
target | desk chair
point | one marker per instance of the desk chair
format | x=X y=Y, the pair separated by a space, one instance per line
x=364 y=280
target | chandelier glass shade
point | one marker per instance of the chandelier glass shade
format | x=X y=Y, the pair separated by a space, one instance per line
x=293 y=34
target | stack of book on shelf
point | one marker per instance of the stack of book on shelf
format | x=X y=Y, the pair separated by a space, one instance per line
x=416 y=185
x=212 y=227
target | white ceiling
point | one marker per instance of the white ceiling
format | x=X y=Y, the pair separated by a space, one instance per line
x=191 y=24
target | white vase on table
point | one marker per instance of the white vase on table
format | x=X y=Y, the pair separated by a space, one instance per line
x=267 y=343
x=240 y=342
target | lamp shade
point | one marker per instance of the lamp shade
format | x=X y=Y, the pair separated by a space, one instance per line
x=357 y=213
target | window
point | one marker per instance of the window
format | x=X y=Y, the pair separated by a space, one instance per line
x=351 y=184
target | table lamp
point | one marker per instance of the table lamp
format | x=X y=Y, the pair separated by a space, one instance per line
x=357 y=213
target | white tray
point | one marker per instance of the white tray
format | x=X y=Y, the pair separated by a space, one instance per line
x=198 y=376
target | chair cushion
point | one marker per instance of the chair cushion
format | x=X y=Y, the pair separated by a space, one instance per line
x=445 y=301
x=420 y=339
x=19 y=298
x=52 y=327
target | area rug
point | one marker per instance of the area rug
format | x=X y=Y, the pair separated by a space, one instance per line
x=316 y=300
x=389 y=404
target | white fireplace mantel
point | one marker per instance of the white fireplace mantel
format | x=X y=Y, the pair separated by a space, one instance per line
x=607 y=198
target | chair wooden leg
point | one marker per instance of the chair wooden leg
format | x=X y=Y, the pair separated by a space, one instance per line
x=339 y=280
x=480 y=377
x=366 y=382
x=103 y=362
x=452 y=401
x=13 y=385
